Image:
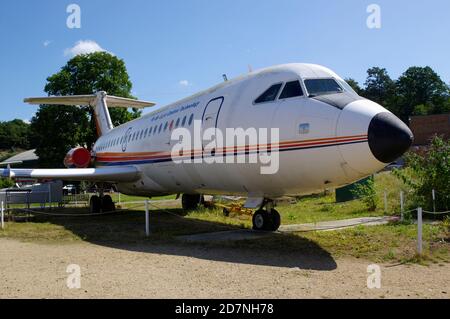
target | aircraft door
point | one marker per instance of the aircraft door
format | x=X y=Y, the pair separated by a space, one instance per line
x=211 y=114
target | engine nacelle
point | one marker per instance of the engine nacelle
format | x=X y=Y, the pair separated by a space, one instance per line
x=78 y=158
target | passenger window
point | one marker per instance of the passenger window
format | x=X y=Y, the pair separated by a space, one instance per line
x=191 y=119
x=184 y=121
x=270 y=94
x=160 y=128
x=178 y=122
x=291 y=89
x=165 y=126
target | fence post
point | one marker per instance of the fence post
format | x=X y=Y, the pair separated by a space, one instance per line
x=147 y=222
x=433 y=193
x=2 y=208
x=385 y=202
x=402 y=207
x=419 y=230
x=49 y=196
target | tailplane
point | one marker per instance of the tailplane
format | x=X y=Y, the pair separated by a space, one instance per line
x=99 y=101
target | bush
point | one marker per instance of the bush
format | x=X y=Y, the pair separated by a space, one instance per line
x=429 y=171
x=6 y=183
x=368 y=194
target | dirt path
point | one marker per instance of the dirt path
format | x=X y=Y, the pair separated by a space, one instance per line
x=39 y=271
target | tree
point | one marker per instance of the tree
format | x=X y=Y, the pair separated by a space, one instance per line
x=379 y=87
x=58 y=128
x=355 y=85
x=421 y=90
x=14 y=134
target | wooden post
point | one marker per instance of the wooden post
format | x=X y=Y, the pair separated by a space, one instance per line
x=147 y=219
x=2 y=209
x=402 y=207
x=433 y=194
x=419 y=231
x=385 y=202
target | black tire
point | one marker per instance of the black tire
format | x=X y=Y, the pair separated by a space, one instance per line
x=108 y=204
x=191 y=202
x=95 y=205
x=275 y=220
x=261 y=220
x=226 y=212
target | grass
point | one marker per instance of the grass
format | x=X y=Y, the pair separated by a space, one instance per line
x=318 y=208
x=393 y=243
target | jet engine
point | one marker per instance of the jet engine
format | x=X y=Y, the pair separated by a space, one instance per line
x=78 y=158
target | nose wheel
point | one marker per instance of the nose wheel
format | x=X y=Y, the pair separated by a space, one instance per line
x=266 y=219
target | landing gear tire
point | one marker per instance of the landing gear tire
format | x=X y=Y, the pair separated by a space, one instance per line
x=265 y=221
x=275 y=220
x=260 y=220
x=191 y=202
x=95 y=205
x=108 y=204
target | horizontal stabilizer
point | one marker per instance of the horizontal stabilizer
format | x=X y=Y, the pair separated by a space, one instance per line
x=88 y=100
x=107 y=174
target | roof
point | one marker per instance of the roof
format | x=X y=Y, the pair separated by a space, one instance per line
x=26 y=156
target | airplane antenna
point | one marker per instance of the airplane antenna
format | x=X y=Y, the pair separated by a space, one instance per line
x=225 y=78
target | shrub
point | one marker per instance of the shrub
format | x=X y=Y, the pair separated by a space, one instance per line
x=429 y=171
x=368 y=194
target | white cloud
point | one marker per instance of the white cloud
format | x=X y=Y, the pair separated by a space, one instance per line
x=47 y=43
x=184 y=83
x=26 y=121
x=83 y=47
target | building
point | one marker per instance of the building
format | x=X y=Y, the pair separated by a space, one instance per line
x=27 y=159
x=426 y=127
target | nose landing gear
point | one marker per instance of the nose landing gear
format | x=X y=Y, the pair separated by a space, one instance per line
x=268 y=219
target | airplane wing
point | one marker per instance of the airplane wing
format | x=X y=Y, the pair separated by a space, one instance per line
x=106 y=174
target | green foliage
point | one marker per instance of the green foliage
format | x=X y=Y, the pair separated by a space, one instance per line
x=15 y=134
x=427 y=172
x=379 y=86
x=418 y=91
x=56 y=129
x=368 y=194
x=421 y=86
x=6 y=183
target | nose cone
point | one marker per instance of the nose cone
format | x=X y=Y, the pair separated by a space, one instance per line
x=389 y=137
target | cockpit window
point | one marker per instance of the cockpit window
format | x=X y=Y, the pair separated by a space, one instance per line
x=269 y=95
x=291 y=89
x=317 y=87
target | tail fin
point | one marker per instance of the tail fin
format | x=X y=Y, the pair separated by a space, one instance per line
x=100 y=101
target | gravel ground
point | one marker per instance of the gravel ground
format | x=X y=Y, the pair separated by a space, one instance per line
x=30 y=270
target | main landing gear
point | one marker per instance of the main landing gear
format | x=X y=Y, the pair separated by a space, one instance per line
x=267 y=219
x=101 y=204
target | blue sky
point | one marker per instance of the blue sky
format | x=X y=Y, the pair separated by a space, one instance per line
x=175 y=48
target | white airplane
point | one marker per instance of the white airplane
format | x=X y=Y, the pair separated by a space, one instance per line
x=328 y=137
